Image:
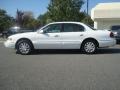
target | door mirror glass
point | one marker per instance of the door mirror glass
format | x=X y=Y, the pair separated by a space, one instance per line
x=40 y=31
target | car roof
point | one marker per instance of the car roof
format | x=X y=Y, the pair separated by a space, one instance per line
x=66 y=22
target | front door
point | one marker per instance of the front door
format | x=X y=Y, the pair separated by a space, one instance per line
x=50 y=38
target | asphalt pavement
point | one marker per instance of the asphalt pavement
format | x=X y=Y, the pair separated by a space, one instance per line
x=60 y=70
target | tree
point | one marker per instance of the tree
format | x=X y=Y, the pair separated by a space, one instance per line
x=19 y=18
x=26 y=20
x=65 y=10
x=31 y=23
x=5 y=20
x=44 y=19
x=87 y=20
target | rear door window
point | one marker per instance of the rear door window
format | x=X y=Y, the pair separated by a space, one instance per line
x=72 y=28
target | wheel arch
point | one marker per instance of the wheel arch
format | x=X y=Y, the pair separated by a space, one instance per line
x=93 y=39
x=26 y=40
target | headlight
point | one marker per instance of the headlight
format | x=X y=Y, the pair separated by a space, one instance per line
x=10 y=39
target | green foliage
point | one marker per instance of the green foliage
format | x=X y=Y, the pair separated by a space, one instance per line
x=30 y=23
x=43 y=19
x=65 y=10
x=5 y=20
x=58 y=10
x=26 y=20
x=87 y=20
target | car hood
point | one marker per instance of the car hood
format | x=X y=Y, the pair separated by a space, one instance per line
x=23 y=35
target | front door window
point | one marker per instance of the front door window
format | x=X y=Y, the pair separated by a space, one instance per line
x=55 y=28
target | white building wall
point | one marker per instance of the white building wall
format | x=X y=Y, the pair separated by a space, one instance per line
x=105 y=24
x=106 y=15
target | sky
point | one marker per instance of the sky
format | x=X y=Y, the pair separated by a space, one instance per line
x=39 y=6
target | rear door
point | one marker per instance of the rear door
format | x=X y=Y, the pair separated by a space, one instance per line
x=72 y=35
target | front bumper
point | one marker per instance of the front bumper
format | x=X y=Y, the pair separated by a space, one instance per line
x=9 y=44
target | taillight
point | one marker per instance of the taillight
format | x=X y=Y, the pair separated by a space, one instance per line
x=111 y=34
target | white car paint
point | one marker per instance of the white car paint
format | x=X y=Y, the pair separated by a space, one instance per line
x=63 y=40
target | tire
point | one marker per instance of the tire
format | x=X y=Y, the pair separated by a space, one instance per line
x=24 y=47
x=89 y=47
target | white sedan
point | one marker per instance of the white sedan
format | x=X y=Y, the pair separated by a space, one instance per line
x=62 y=35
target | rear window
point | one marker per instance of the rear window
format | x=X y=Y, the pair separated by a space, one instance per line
x=68 y=27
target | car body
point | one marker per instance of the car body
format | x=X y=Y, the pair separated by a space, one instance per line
x=116 y=30
x=62 y=35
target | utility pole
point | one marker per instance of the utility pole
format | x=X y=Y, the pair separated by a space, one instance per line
x=87 y=7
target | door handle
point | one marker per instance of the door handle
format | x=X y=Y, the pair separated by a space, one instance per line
x=56 y=36
x=81 y=34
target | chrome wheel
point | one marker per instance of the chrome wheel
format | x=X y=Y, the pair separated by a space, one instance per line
x=89 y=47
x=24 y=48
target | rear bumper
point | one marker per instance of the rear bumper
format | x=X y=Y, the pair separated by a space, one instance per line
x=9 y=44
x=107 y=43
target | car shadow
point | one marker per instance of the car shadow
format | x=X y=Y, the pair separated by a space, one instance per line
x=108 y=51
x=55 y=51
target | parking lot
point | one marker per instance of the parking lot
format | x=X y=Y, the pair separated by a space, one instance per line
x=60 y=70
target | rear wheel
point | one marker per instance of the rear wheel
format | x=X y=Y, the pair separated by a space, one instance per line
x=89 y=47
x=24 y=47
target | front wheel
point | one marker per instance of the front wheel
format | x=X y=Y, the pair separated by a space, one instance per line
x=24 y=47
x=89 y=47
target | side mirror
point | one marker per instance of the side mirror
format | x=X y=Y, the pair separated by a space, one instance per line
x=40 y=31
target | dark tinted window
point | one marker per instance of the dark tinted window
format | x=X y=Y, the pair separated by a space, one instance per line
x=54 y=28
x=72 y=28
x=117 y=27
